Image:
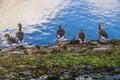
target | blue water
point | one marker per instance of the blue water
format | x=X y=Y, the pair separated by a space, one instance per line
x=76 y=15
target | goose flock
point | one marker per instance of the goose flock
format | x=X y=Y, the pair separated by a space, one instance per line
x=102 y=34
x=60 y=34
x=19 y=36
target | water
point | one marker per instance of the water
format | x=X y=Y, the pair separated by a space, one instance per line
x=40 y=18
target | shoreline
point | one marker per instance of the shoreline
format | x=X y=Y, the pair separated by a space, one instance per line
x=60 y=59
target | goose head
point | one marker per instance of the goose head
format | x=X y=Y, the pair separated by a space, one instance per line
x=6 y=35
x=101 y=25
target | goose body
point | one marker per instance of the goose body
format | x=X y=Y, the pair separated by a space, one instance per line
x=82 y=36
x=20 y=33
x=102 y=33
x=11 y=40
x=60 y=32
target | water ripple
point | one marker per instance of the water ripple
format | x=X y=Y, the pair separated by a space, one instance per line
x=41 y=23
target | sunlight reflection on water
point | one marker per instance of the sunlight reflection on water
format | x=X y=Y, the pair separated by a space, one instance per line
x=41 y=18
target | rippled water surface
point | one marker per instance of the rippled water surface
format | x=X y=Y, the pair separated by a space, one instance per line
x=40 y=18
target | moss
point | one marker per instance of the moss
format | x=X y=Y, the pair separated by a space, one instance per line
x=55 y=62
x=96 y=59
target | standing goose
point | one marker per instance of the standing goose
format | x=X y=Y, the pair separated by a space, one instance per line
x=102 y=33
x=60 y=32
x=10 y=40
x=20 y=33
x=82 y=36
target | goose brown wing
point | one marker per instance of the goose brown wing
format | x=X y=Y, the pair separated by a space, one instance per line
x=20 y=35
x=61 y=32
x=12 y=40
x=104 y=34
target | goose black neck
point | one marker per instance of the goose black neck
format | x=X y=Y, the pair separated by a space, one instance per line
x=99 y=27
x=20 y=28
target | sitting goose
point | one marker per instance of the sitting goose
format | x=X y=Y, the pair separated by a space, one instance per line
x=20 y=33
x=102 y=33
x=82 y=36
x=10 y=40
x=60 y=32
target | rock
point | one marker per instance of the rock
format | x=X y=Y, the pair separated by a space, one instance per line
x=53 y=78
x=1 y=77
x=26 y=73
x=68 y=49
x=114 y=69
x=92 y=43
x=87 y=69
x=5 y=50
x=103 y=41
x=18 y=52
x=28 y=51
x=115 y=41
x=43 y=77
x=64 y=71
x=116 y=77
x=36 y=51
x=53 y=48
x=80 y=78
x=22 y=66
x=102 y=47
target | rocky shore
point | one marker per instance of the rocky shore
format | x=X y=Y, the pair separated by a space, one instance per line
x=61 y=61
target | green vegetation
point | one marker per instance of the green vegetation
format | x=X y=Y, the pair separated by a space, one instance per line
x=43 y=63
x=90 y=57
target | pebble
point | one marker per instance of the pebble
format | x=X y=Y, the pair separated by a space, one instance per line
x=28 y=72
x=18 y=52
x=102 y=47
x=5 y=50
x=53 y=78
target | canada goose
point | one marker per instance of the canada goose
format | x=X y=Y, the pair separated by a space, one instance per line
x=82 y=36
x=20 y=33
x=60 y=32
x=10 y=40
x=102 y=33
